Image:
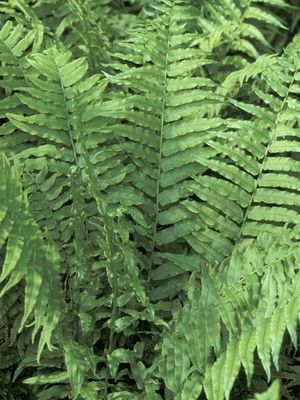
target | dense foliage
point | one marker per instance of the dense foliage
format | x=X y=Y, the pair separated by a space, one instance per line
x=150 y=193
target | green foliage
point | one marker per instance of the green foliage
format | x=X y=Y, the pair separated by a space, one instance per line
x=271 y=394
x=149 y=186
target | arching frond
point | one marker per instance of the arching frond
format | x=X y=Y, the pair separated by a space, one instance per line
x=27 y=257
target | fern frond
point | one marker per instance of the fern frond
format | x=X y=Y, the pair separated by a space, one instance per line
x=64 y=127
x=245 y=181
x=242 y=30
x=53 y=143
x=162 y=134
x=27 y=258
x=15 y=42
x=254 y=296
x=161 y=194
x=274 y=201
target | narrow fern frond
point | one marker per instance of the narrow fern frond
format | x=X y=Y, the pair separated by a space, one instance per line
x=37 y=264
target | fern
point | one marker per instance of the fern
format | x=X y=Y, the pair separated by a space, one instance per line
x=250 y=22
x=149 y=186
x=27 y=257
x=281 y=148
x=52 y=172
x=161 y=133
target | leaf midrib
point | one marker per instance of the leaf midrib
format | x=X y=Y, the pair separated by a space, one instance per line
x=162 y=128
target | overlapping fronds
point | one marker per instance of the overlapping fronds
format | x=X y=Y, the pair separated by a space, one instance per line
x=240 y=191
x=242 y=307
x=197 y=171
x=60 y=172
x=255 y=316
x=242 y=29
x=149 y=248
x=254 y=313
x=216 y=193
